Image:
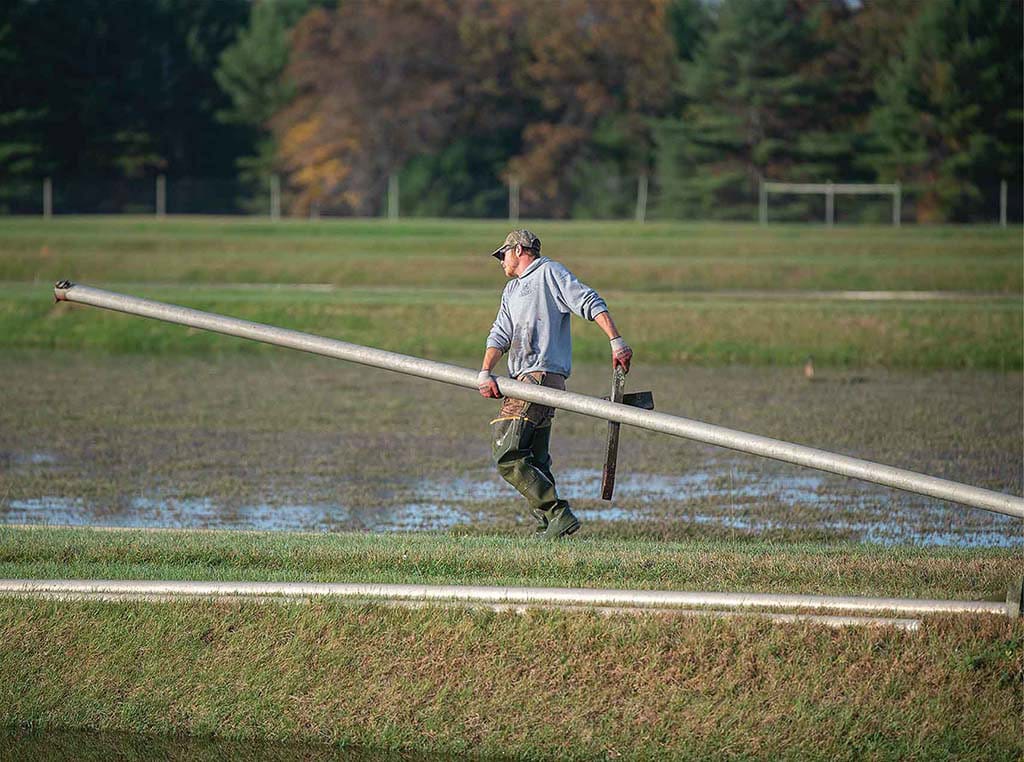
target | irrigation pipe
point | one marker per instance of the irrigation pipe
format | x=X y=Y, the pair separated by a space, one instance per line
x=828 y=620
x=521 y=595
x=788 y=452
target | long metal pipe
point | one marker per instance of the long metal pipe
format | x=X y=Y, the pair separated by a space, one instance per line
x=823 y=460
x=829 y=620
x=484 y=594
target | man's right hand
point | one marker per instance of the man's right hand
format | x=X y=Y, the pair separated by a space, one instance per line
x=621 y=354
x=487 y=385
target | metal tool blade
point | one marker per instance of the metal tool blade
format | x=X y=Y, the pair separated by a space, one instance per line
x=643 y=400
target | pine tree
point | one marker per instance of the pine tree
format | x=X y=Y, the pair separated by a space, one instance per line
x=20 y=144
x=252 y=73
x=754 y=107
x=948 y=123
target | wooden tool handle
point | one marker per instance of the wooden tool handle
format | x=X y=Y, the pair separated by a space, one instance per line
x=612 y=452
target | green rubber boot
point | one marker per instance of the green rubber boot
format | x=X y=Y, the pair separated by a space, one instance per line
x=539 y=450
x=542 y=461
x=521 y=454
x=562 y=522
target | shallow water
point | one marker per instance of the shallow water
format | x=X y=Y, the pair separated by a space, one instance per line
x=308 y=444
x=722 y=496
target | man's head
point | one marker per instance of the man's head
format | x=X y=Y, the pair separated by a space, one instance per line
x=521 y=247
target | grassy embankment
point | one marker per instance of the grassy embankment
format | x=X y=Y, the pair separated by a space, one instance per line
x=534 y=686
x=539 y=686
x=427 y=288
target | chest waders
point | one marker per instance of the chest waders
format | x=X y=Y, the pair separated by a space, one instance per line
x=520 y=440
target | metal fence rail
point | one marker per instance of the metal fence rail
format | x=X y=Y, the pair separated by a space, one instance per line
x=822 y=460
x=641 y=198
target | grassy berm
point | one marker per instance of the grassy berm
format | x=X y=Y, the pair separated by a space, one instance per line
x=544 y=684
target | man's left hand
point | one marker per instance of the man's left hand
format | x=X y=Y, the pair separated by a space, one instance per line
x=487 y=386
x=621 y=354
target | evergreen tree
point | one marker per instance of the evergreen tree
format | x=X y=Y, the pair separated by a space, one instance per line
x=21 y=163
x=251 y=72
x=754 y=107
x=124 y=90
x=948 y=123
x=689 y=22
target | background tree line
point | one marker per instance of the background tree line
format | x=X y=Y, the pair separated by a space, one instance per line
x=573 y=98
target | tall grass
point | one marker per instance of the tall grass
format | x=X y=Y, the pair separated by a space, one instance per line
x=543 y=685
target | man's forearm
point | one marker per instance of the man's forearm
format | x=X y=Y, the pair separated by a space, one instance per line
x=621 y=353
x=607 y=325
x=491 y=357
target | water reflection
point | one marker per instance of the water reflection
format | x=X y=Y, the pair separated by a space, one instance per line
x=721 y=496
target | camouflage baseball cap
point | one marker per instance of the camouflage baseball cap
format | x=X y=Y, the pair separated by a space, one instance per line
x=524 y=238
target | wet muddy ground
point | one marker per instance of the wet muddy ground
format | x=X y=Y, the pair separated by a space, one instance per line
x=286 y=441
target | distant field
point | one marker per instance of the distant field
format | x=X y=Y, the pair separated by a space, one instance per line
x=700 y=294
x=661 y=257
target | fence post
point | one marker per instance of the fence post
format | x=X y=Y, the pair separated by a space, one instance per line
x=275 y=198
x=161 y=196
x=513 y=199
x=47 y=198
x=392 y=197
x=762 y=204
x=1002 y=204
x=830 y=204
x=897 y=205
x=641 y=198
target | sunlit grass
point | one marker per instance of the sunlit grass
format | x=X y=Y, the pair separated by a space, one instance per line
x=441 y=558
x=452 y=324
x=660 y=257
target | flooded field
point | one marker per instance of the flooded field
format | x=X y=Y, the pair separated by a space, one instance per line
x=725 y=499
x=289 y=442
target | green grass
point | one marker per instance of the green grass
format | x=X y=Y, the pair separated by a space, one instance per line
x=659 y=257
x=117 y=407
x=424 y=558
x=544 y=684
x=451 y=324
x=427 y=288
x=539 y=686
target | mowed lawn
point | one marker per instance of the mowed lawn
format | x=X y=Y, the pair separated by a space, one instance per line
x=681 y=293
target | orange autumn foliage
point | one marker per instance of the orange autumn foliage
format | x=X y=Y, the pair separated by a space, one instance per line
x=379 y=83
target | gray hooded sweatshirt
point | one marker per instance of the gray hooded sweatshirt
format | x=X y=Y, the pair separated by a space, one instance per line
x=533 y=320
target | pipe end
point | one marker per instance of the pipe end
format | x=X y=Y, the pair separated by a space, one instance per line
x=1015 y=598
x=60 y=290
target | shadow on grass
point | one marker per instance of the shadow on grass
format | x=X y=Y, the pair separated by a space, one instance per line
x=93 y=746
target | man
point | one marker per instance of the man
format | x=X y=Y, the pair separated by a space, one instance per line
x=533 y=327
